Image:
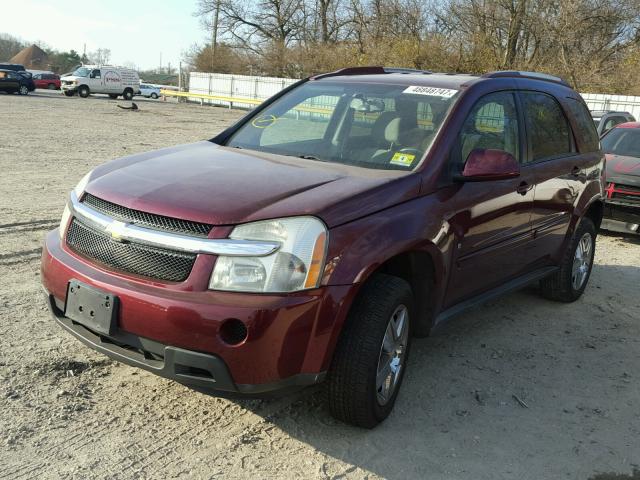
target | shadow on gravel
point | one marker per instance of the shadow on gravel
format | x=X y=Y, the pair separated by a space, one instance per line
x=623 y=237
x=459 y=415
x=635 y=475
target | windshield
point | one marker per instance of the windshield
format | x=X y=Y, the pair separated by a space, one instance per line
x=622 y=141
x=82 y=72
x=386 y=127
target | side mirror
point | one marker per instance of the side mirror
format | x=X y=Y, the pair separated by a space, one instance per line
x=487 y=164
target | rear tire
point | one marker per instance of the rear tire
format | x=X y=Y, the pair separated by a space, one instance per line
x=127 y=94
x=154 y=95
x=83 y=91
x=51 y=86
x=371 y=356
x=23 y=90
x=569 y=283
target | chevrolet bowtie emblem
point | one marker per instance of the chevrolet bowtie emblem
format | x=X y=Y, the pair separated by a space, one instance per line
x=116 y=229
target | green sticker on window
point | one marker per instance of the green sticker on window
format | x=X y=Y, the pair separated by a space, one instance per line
x=404 y=159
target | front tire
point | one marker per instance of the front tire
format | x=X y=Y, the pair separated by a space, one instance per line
x=69 y=94
x=154 y=95
x=83 y=91
x=371 y=355
x=127 y=94
x=569 y=283
x=113 y=96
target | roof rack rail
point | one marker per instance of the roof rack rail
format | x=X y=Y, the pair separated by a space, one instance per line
x=524 y=74
x=373 y=70
x=406 y=70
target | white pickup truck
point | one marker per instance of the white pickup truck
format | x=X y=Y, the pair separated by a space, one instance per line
x=114 y=81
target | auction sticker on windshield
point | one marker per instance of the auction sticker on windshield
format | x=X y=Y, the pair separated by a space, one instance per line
x=431 y=91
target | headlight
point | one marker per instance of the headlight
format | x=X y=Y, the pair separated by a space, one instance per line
x=64 y=221
x=79 y=190
x=297 y=265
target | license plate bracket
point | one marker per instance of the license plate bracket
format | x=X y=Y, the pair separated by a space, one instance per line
x=93 y=308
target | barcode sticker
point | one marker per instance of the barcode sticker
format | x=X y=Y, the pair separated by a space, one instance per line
x=432 y=91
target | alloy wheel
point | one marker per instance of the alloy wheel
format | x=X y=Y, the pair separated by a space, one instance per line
x=582 y=261
x=392 y=355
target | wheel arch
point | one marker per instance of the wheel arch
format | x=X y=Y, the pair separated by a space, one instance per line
x=595 y=212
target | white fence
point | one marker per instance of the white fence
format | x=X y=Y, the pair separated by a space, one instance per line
x=261 y=88
x=240 y=86
x=624 y=103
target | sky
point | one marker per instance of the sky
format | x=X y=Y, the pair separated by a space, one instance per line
x=135 y=31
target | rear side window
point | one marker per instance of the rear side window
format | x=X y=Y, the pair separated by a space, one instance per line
x=586 y=126
x=547 y=127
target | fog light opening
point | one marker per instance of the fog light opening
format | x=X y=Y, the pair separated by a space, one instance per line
x=233 y=332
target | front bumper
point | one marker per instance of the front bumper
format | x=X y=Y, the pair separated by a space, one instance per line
x=621 y=217
x=173 y=330
x=200 y=371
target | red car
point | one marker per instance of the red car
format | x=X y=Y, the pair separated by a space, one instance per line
x=311 y=240
x=50 y=81
x=621 y=145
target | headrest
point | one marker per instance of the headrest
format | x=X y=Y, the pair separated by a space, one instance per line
x=387 y=127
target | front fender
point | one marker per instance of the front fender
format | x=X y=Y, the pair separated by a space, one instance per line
x=359 y=248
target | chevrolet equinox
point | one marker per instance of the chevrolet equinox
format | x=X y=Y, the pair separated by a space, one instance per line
x=313 y=239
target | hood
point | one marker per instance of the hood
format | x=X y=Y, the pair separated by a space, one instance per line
x=208 y=183
x=623 y=169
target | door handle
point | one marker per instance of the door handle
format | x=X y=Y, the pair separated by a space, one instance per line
x=523 y=188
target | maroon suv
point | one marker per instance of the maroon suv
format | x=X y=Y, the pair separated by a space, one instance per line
x=311 y=240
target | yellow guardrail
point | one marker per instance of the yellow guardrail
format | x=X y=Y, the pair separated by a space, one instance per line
x=255 y=101
x=204 y=96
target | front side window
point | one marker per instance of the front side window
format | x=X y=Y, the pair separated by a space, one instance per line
x=491 y=124
x=95 y=73
x=379 y=126
x=547 y=126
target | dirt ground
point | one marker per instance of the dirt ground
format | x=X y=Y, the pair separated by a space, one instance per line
x=68 y=412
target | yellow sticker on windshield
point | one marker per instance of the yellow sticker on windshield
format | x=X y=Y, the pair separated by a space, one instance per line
x=404 y=159
x=264 y=121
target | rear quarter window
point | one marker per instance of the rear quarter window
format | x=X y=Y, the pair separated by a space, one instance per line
x=586 y=128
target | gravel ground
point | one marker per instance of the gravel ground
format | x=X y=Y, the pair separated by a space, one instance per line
x=68 y=412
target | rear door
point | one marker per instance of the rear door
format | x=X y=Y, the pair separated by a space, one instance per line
x=558 y=168
x=493 y=218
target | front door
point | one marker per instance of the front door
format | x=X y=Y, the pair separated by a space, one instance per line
x=492 y=222
x=96 y=82
x=9 y=82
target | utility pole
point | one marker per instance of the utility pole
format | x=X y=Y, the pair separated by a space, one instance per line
x=214 y=33
x=160 y=68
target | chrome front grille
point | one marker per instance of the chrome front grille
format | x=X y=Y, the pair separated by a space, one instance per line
x=135 y=258
x=144 y=219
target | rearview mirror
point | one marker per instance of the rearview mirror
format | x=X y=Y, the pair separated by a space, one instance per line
x=488 y=164
x=366 y=105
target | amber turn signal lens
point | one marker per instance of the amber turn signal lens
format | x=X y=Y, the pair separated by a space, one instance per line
x=317 y=258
